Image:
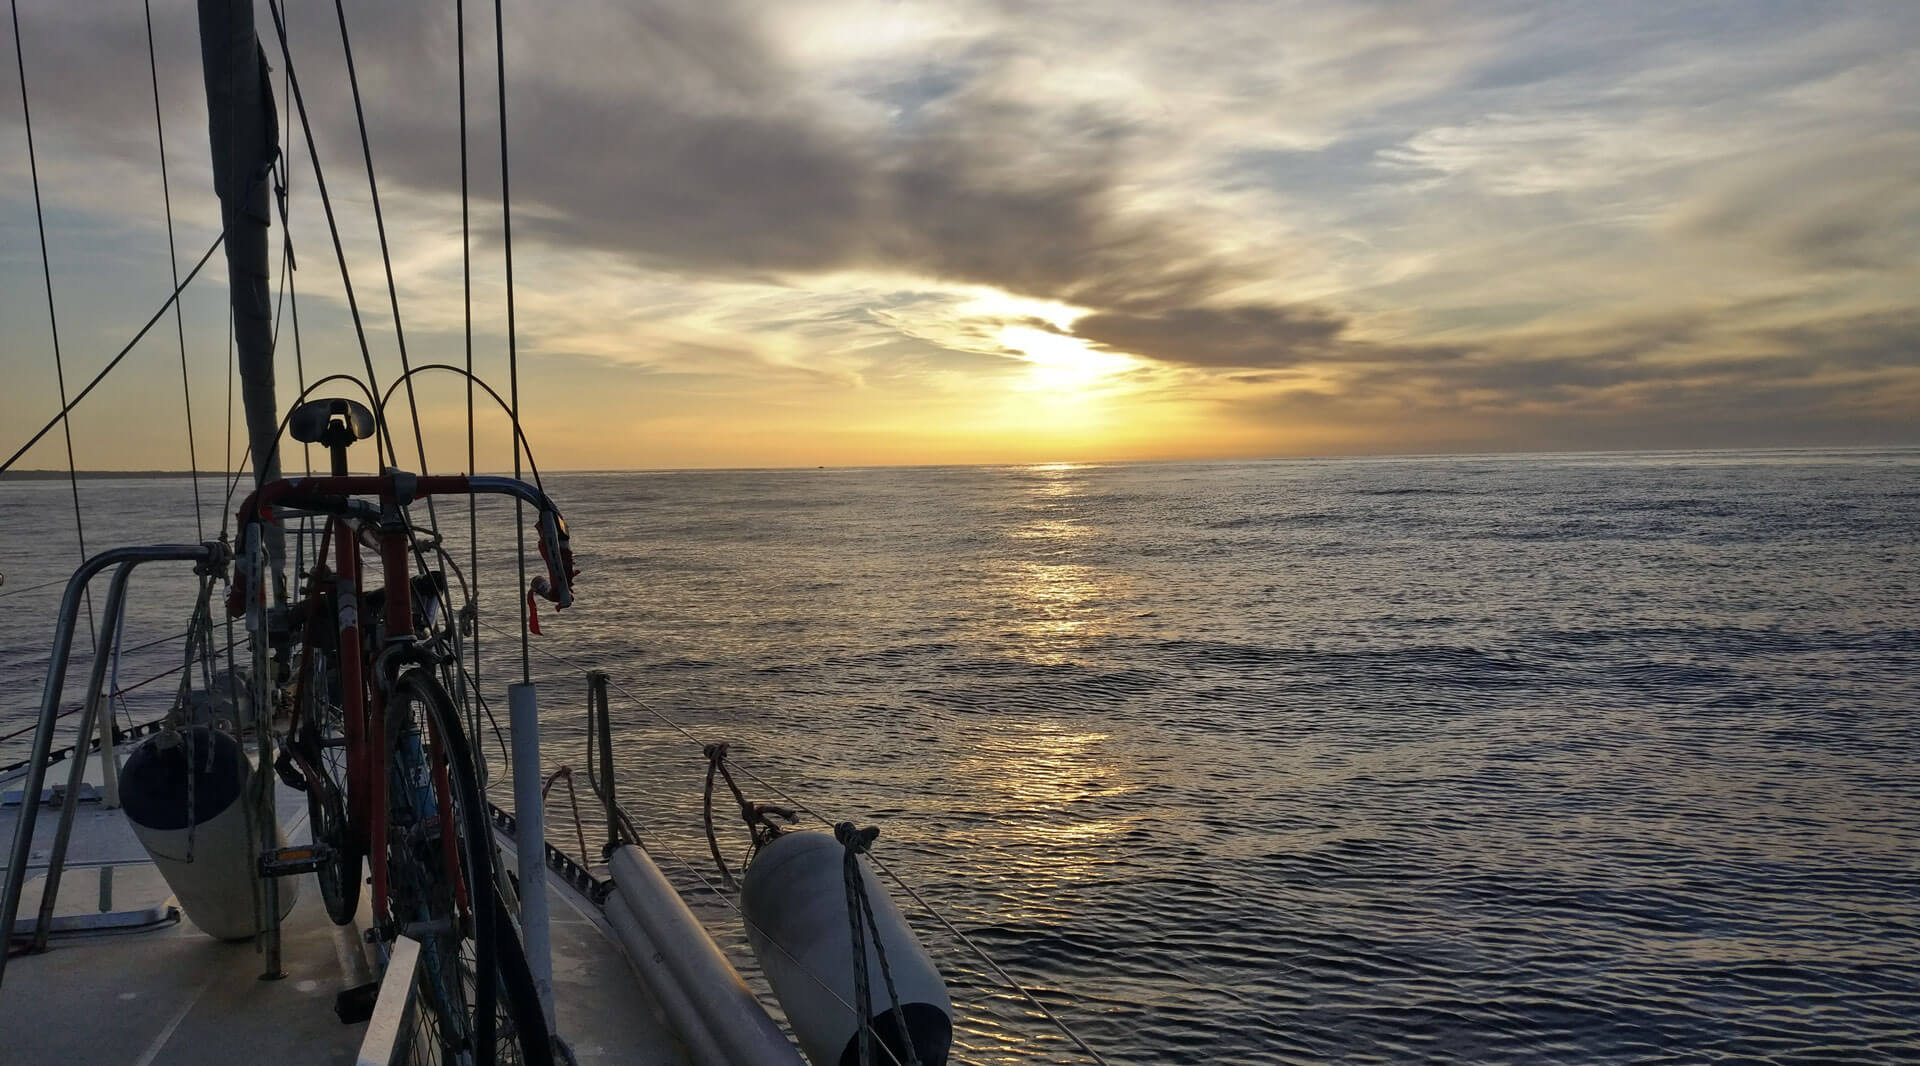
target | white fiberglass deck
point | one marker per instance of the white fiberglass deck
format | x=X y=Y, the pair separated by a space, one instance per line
x=168 y=993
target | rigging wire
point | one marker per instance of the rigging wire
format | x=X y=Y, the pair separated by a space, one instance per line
x=466 y=299
x=286 y=240
x=233 y=354
x=286 y=297
x=313 y=156
x=53 y=319
x=173 y=264
x=34 y=588
x=326 y=204
x=386 y=258
x=115 y=361
x=300 y=374
x=513 y=350
x=299 y=357
x=113 y=675
x=233 y=365
x=280 y=299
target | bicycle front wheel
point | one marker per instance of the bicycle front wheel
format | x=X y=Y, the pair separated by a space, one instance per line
x=476 y=993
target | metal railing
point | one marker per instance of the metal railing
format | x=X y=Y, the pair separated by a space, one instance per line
x=389 y=1028
x=211 y=554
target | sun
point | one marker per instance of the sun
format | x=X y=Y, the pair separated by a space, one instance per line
x=1060 y=362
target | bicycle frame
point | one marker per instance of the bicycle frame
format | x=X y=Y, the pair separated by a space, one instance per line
x=364 y=699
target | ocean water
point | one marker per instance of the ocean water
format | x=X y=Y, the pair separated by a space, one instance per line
x=1581 y=759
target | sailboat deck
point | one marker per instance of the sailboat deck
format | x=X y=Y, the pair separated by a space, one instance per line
x=161 y=991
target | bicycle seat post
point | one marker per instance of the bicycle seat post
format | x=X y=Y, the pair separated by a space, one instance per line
x=337 y=437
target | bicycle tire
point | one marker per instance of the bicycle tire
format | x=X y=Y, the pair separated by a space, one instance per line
x=460 y=1006
x=320 y=733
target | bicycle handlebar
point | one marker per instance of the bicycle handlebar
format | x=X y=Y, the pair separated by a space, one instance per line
x=332 y=495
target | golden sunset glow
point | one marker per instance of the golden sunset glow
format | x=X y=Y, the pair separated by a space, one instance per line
x=852 y=232
x=1061 y=364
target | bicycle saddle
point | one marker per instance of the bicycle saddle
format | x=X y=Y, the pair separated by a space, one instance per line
x=312 y=420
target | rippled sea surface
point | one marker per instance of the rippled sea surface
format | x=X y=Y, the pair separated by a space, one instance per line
x=1582 y=759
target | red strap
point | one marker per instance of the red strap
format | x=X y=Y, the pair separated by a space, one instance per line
x=533 y=615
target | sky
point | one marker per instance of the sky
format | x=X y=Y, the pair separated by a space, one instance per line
x=866 y=233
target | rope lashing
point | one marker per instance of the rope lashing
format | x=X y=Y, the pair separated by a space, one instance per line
x=856 y=842
x=760 y=826
x=716 y=760
x=566 y=772
x=198 y=652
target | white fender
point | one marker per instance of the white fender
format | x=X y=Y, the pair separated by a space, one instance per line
x=675 y=942
x=650 y=965
x=199 y=840
x=795 y=904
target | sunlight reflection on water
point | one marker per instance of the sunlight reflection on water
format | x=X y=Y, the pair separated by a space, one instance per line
x=1587 y=759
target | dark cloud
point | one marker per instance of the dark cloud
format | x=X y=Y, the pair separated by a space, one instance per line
x=1676 y=381
x=1249 y=335
x=1885 y=341
x=91 y=97
x=672 y=134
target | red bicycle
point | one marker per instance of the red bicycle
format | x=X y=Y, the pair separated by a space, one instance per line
x=382 y=753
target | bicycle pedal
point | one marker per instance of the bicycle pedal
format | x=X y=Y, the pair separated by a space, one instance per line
x=290 y=862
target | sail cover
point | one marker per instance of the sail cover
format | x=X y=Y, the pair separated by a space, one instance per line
x=245 y=135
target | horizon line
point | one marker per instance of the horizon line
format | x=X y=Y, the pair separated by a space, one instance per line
x=51 y=474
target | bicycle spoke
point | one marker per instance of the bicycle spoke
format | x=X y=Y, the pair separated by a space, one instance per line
x=423 y=894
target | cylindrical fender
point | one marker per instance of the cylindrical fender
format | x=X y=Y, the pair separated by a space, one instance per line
x=795 y=905
x=729 y=1015
x=185 y=795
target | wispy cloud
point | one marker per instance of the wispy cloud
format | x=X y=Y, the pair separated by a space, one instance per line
x=1336 y=224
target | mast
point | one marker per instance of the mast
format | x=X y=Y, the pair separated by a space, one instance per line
x=244 y=134
x=245 y=138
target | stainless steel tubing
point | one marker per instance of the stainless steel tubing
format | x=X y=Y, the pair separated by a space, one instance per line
x=96 y=680
x=50 y=705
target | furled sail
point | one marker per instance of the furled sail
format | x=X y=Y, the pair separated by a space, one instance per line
x=245 y=136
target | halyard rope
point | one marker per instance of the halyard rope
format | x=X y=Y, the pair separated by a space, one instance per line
x=856 y=841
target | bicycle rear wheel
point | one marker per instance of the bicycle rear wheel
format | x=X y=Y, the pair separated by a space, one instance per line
x=322 y=747
x=476 y=993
